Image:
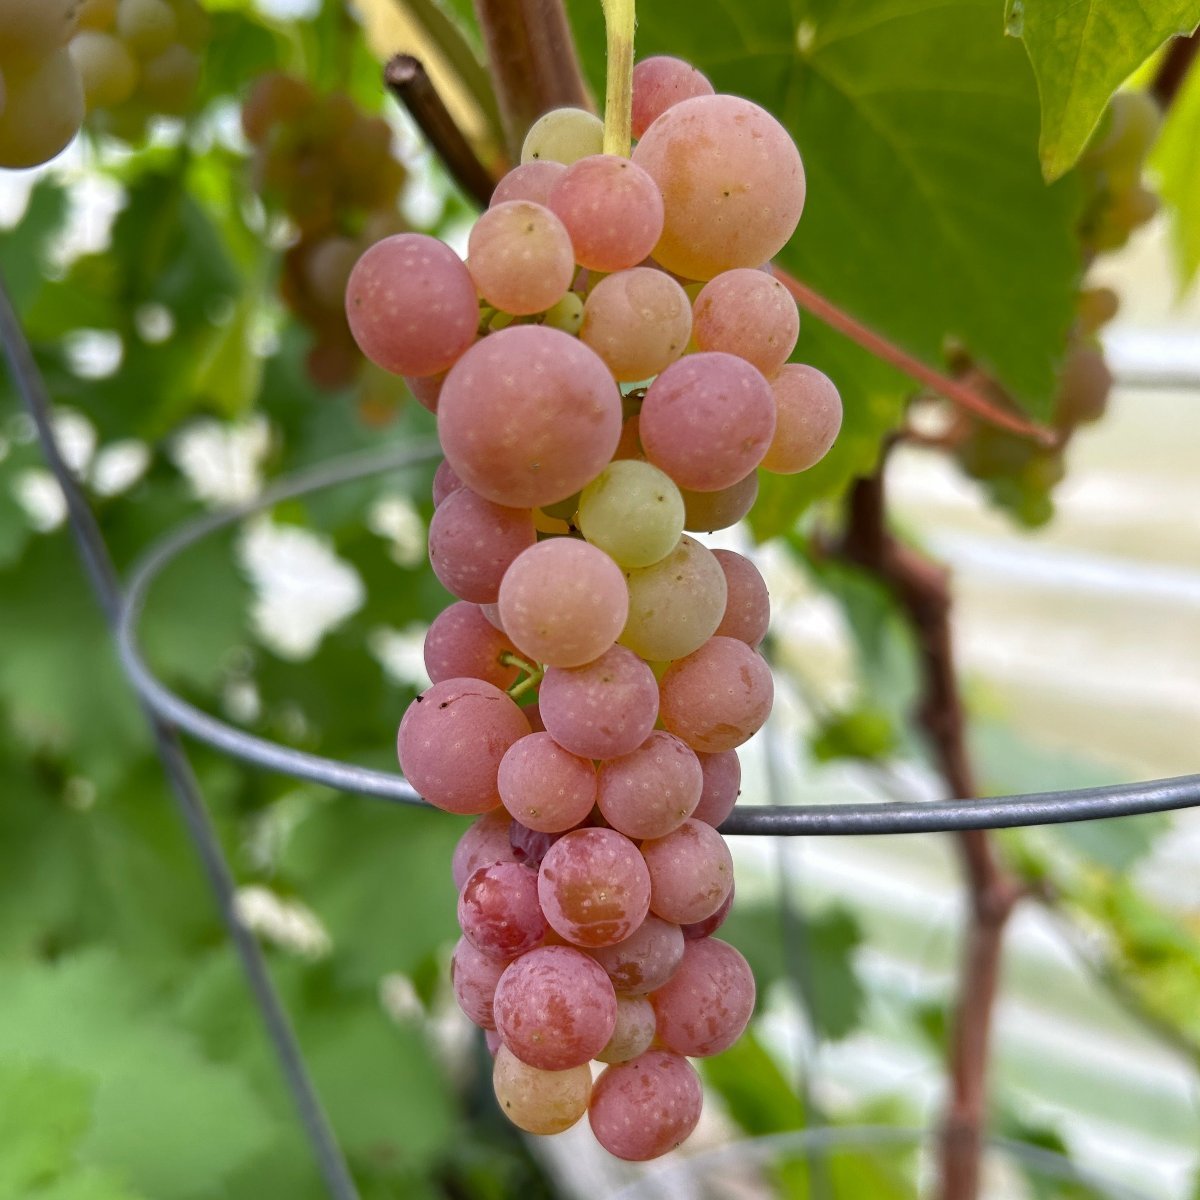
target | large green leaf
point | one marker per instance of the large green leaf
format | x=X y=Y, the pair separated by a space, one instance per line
x=926 y=215
x=1177 y=162
x=1082 y=51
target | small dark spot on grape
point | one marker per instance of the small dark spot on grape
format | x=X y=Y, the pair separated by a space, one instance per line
x=444 y=704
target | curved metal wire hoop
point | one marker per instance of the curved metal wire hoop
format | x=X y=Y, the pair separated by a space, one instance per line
x=1040 y=808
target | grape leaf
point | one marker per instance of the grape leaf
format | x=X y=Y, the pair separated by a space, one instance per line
x=45 y=1110
x=1177 y=163
x=1081 y=53
x=926 y=215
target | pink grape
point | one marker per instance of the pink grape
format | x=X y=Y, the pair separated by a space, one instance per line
x=642 y=1109
x=541 y=1102
x=808 y=418
x=555 y=1008
x=563 y=602
x=472 y=542
x=533 y=714
x=491 y=614
x=461 y=642
x=519 y=254
x=528 y=416
x=474 y=976
x=546 y=788
x=648 y=793
x=645 y=960
x=708 y=1002
x=484 y=842
x=444 y=482
x=660 y=82
x=411 y=304
x=748 y=605
x=718 y=697
x=707 y=420
x=426 y=388
x=638 y=321
x=451 y=741
x=498 y=910
x=603 y=709
x=748 y=313
x=732 y=184
x=528 y=181
x=594 y=887
x=704 y=512
x=691 y=872
x=493 y=1041
x=722 y=781
x=611 y=208
x=530 y=845
x=710 y=925
x=634 y=1032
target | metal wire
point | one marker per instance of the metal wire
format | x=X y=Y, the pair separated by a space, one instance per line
x=99 y=568
x=817 y=820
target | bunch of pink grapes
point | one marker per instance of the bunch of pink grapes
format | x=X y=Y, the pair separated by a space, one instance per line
x=609 y=371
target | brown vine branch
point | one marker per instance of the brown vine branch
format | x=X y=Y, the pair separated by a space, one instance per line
x=407 y=80
x=876 y=344
x=534 y=66
x=921 y=589
x=1174 y=69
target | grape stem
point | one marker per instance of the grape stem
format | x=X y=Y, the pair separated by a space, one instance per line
x=533 y=674
x=874 y=343
x=619 y=22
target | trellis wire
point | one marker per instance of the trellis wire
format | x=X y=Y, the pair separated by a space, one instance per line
x=166 y=712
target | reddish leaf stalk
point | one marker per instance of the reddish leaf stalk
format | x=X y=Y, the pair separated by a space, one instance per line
x=1176 y=64
x=533 y=62
x=876 y=344
x=921 y=588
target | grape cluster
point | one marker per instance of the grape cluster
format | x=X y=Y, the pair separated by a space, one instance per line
x=609 y=370
x=330 y=168
x=41 y=95
x=138 y=58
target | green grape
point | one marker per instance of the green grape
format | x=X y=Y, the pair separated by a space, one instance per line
x=633 y=512
x=108 y=71
x=97 y=14
x=42 y=112
x=566 y=314
x=147 y=27
x=32 y=29
x=1095 y=307
x=169 y=79
x=195 y=28
x=1083 y=388
x=1122 y=147
x=563 y=135
x=3 y=93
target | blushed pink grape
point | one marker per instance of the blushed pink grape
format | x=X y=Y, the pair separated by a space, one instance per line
x=691 y=872
x=634 y=1032
x=718 y=697
x=645 y=960
x=444 y=482
x=603 y=709
x=483 y=842
x=528 y=181
x=563 y=602
x=472 y=542
x=710 y=925
x=555 y=1008
x=660 y=82
x=808 y=417
x=648 y=793
x=498 y=910
x=474 y=976
x=530 y=845
x=426 y=388
x=731 y=180
x=707 y=421
x=704 y=512
x=545 y=787
x=411 y=304
x=519 y=254
x=528 y=416
x=722 y=782
x=638 y=321
x=748 y=313
x=611 y=208
x=537 y=1101
x=451 y=741
x=747 y=605
x=461 y=642
x=708 y=1002
x=594 y=887
x=642 y=1109
x=493 y=1041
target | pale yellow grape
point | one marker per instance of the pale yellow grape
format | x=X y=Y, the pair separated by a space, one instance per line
x=108 y=71
x=97 y=14
x=147 y=27
x=563 y=135
x=567 y=314
x=638 y=321
x=540 y=1101
x=42 y=112
x=32 y=29
x=169 y=80
x=633 y=512
x=675 y=605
